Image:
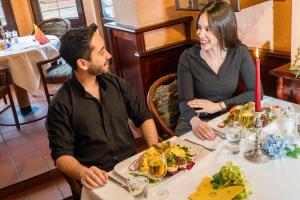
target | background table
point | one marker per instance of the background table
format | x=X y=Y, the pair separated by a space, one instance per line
x=21 y=59
x=287 y=85
x=276 y=180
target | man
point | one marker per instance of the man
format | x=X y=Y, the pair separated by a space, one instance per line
x=87 y=119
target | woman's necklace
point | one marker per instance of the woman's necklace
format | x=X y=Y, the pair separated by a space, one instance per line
x=216 y=62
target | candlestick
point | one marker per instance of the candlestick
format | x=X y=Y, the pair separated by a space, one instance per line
x=256 y=154
x=257 y=84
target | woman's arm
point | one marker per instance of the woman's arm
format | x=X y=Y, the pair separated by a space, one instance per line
x=185 y=88
x=247 y=73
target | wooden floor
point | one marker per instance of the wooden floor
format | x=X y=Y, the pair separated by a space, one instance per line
x=25 y=154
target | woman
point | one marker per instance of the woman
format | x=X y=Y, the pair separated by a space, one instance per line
x=208 y=73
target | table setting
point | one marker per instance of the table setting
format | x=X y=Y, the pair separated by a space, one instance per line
x=254 y=157
x=275 y=178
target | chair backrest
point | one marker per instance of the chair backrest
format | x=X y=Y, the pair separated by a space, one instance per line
x=4 y=82
x=162 y=100
x=55 y=26
x=75 y=186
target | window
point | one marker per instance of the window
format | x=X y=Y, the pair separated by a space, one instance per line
x=7 y=18
x=2 y=16
x=107 y=9
x=70 y=9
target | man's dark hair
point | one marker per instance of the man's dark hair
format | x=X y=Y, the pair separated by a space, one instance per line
x=223 y=23
x=75 y=44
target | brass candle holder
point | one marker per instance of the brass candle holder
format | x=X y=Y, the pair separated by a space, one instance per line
x=257 y=155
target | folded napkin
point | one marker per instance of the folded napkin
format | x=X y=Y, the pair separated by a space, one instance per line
x=206 y=143
x=39 y=35
x=205 y=191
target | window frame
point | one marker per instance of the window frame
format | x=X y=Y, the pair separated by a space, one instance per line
x=9 y=16
x=80 y=22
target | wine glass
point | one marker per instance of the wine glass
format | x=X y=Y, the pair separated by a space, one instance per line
x=246 y=120
x=138 y=187
x=157 y=169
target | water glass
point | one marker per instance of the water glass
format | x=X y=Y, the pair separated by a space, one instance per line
x=233 y=138
x=297 y=125
x=15 y=36
x=288 y=125
x=138 y=187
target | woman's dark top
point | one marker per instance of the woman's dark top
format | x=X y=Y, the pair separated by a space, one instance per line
x=197 y=80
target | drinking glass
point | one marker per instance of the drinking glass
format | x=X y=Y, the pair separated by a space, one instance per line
x=138 y=187
x=15 y=36
x=233 y=138
x=297 y=124
x=157 y=169
x=288 y=123
x=246 y=121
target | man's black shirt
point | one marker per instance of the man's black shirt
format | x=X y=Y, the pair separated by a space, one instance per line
x=94 y=132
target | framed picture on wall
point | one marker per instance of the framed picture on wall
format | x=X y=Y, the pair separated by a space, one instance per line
x=237 y=5
x=190 y=4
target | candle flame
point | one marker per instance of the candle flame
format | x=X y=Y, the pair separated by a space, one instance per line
x=256 y=52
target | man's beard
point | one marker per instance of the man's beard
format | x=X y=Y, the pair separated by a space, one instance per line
x=97 y=70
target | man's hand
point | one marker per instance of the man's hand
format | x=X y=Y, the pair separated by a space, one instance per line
x=93 y=177
x=202 y=129
x=204 y=105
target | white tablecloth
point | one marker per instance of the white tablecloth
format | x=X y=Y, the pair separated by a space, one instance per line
x=274 y=180
x=21 y=59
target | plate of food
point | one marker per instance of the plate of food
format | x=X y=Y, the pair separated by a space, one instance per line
x=162 y=160
x=244 y=114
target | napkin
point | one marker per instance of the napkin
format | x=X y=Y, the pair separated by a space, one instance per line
x=205 y=191
x=39 y=35
x=206 y=143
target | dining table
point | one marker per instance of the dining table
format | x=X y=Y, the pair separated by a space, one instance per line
x=21 y=58
x=274 y=180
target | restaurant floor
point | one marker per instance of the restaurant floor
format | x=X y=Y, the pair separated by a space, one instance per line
x=25 y=153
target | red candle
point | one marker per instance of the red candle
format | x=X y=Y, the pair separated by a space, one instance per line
x=257 y=85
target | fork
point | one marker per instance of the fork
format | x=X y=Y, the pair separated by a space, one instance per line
x=207 y=148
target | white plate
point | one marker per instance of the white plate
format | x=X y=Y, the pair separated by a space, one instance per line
x=216 y=121
x=122 y=168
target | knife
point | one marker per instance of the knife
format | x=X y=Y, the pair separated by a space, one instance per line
x=119 y=183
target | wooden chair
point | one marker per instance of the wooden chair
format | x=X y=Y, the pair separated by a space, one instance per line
x=59 y=72
x=5 y=90
x=55 y=26
x=75 y=186
x=162 y=100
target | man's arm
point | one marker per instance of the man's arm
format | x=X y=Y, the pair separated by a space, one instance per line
x=149 y=132
x=91 y=178
x=61 y=140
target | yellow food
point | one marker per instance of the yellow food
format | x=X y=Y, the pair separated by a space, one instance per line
x=246 y=118
x=205 y=191
x=144 y=166
x=177 y=151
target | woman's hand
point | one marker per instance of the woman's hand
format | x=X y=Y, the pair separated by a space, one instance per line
x=93 y=177
x=202 y=129
x=205 y=105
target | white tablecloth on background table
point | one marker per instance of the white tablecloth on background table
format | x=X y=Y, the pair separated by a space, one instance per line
x=21 y=59
x=274 y=180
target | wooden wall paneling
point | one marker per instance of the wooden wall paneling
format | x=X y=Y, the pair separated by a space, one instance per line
x=138 y=66
x=270 y=60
